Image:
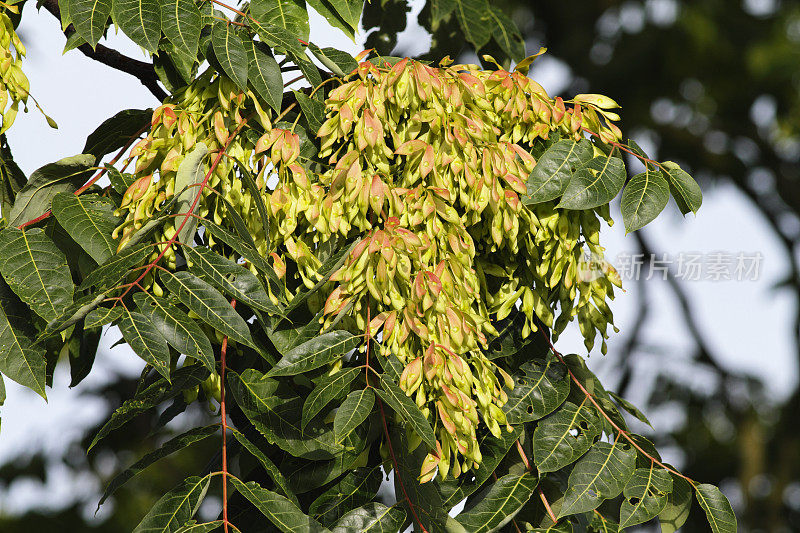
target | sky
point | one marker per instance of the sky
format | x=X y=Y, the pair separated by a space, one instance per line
x=747 y=322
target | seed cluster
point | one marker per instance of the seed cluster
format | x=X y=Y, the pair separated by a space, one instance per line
x=14 y=85
x=425 y=169
x=196 y=120
x=429 y=166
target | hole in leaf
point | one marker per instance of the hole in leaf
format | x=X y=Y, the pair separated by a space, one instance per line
x=530 y=409
x=521 y=381
x=575 y=432
x=584 y=425
x=633 y=501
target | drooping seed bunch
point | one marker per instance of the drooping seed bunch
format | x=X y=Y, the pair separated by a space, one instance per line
x=425 y=169
x=428 y=168
x=196 y=121
x=14 y=85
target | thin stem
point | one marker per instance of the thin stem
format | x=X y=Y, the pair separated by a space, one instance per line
x=92 y=181
x=619 y=430
x=298 y=78
x=196 y=201
x=547 y=507
x=396 y=469
x=222 y=409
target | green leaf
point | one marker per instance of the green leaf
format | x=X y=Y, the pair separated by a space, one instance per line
x=73 y=314
x=188 y=179
x=645 y=495
x=328 y=389
x=279 y=510
x=89 y=18
x=309 y=69
x=717 y=508
x=180 y=331
x=145 y=340
x=332 y=15
x=505 y=498
x=356 y=488
x=289 y=15
x=101 y=316
x=115 y=132
x=229 y=277
x=241 y=246
x=207 y=527
x=354 y=410
x=168 y=448
x=230 y=51
x=349 y=10
x=209 y=305
x=645 y=196
x=596 y=183
x=561 y=438
x=553 y=171
x=315 y=353
x=679 y=503
x=115 y=268
x=119 y=181
x=538 y=391
x=313 y=110
x=372 y=518
x=65 y=175
x=684 y=189
x=630 y=408
x=181 y=24
x=187 y=377
x=404 y=406
x=423 y=498
x=599 y=475
x=36 y=270
x=507 y=34
x=175 y=508
x=277 y=37
x=441 y=9
x=272 y=471
x=140 y=20
x=339 y=62
x=89 y=220
x=493 y=451
x=474 y=18
x=279 y=419
x=264 y=74
x=20 y=359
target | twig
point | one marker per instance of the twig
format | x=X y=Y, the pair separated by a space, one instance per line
x=396 y=469
x=223 y=352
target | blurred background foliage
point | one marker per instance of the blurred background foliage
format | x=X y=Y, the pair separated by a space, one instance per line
x=717 y=88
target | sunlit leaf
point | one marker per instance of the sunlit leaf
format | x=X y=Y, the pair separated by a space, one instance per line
x=140 y=20
x=145 y=340
x=36 y=270
x=175 y=508
x=599 y=475
x=180 y=331
x=89 y=219
x=505 y=497
x=171 y=446
x=284 y=514
x=353 y=411
x=718 y=509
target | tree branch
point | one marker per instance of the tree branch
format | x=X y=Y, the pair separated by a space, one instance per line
x=141 y=70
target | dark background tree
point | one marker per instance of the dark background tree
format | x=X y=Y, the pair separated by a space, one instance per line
x=742 y=65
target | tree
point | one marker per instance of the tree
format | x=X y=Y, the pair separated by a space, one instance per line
x=367 y=273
